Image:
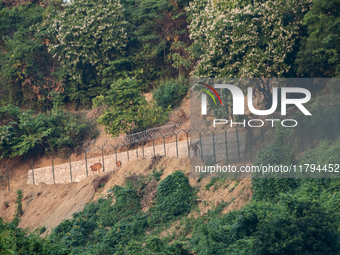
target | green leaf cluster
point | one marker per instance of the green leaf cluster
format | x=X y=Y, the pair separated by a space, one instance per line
x=170 y=93
x=320 y=49
x=26 y=67
x=127 y=110
x=27 y=133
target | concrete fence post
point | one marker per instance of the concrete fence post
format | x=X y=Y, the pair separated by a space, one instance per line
x=213 y=135
x=238 y=146
x=176 y=141
x=250 y=144
x=187 y=132
x=226 y=144
x=102 y=149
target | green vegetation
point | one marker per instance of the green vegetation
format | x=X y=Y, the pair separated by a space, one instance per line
x=127 y=110
x=14 y=240
x=23 y=132
x=106 y=54
x=175 y=197
x=170 y=93
x=26 y=67
x=80 y=48
x=319 y=52
x=18 y=208
x=120 y=228
x=297 y=216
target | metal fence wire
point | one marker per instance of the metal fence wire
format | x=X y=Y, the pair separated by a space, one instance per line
x=210 y=144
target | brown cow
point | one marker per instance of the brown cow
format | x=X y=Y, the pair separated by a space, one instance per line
x=96 y=167
x=119 y=164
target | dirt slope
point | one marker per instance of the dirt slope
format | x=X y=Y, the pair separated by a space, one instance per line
x=48 y=205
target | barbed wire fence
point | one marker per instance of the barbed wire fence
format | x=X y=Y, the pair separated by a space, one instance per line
x=222 y=143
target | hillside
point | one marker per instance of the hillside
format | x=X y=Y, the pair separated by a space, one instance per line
x=49 y=205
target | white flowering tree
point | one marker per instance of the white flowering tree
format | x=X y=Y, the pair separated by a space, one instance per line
x=88 y=37
x=248 y=39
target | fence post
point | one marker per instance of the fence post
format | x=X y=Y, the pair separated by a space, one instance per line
x=213 y=133
x=7 y=176
x=137 y=150
x=200 y=142
x=87 y=172
x=70 y=167
x=187 y=132
x=163 y=142
x=153 y=145
x=32 y=171
x=53 y=171
x=322 y=121
x=250 y=142
x=127 y=150
x=337 y=118
x=301 y=138
x=310 y=133
x=226 y=144
x=176 y=141
x=115 y=151
x=142 y=141
x=238 y=146
x=262 y=136
x=102 y=149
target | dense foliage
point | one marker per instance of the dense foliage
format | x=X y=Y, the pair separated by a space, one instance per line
x=246 y=38
x=302 y=218
x=127 y=110
x=27 y=133
x=89 y=42
x=80 y=47
x=174 y=197
x=171 y=92
x=319 y=54
x=102 y=228
x=26 y=67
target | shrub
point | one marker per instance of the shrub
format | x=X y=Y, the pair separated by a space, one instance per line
x=86 y=65
x=54 y=132
x=277 y=153
x=175 y=197
x=15 y=240
x=171 y=92
x=307 y=228
x=127 y=110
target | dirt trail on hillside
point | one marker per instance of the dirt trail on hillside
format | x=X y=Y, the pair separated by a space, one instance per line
x=49 y=205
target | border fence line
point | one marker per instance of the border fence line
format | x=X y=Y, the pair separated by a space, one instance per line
x=211 y=145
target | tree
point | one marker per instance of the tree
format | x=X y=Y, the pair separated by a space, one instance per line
x=243 y=39
x=123 y=101
x=157 y=38
x=88 y=38
x=319 y=55
x=26 y=67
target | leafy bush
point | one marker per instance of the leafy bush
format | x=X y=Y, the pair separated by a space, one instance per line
x=305 y=228
x=54 y=132
x=26 y=67
x=127 y=109
x=277 y=152
x=87 y=67
x=175 y=197
x=14 y=240
x=171 y=92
